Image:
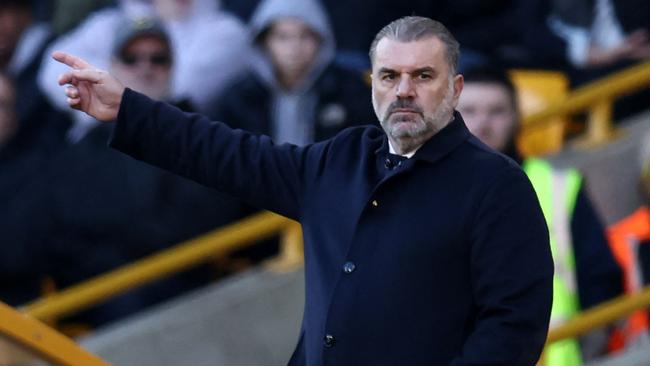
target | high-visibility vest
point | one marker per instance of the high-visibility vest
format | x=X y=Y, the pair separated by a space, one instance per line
x=624 y=239
x=557 y=192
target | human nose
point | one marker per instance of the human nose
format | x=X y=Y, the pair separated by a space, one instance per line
x=405 y=88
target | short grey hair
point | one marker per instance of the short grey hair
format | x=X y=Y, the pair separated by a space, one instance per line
x=414 y=28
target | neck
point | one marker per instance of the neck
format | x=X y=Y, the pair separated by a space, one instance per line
x=403 y=147
x=289 y=82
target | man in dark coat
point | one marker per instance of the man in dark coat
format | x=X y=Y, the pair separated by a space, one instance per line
x=422 y=245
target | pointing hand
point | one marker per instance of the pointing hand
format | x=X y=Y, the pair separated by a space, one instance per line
x=90 y=90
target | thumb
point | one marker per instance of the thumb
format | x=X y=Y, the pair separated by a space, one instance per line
x=89 y=75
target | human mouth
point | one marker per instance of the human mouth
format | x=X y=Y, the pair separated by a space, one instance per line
x=403 y=110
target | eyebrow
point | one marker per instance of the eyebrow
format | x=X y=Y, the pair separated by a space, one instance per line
x=385 y=70
x=422 y=70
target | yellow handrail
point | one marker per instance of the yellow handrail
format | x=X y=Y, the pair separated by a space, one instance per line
x=612 y=86
x=178 y=258
x=596 y=98
x=43 y=341
x=600 y=316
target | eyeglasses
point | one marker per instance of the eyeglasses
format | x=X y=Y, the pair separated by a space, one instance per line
x=156 y=59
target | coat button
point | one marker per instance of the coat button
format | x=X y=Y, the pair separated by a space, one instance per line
x=389 y=164
x=375 y=203
x=349 y=267
x=329 y=341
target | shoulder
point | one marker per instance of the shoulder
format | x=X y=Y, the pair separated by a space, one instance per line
x=246 y=89
x=352 y=143
x=485 y=161
x=246 y=85
x=365 y=135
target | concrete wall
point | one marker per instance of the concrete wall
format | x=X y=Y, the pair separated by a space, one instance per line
x=612 y=171
x=251 y=319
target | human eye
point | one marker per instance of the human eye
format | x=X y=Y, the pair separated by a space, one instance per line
x=424 y=76
x=387 y=76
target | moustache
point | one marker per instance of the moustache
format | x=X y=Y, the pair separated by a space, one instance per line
x=407 y=104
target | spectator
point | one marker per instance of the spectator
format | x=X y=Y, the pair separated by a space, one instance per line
x=300 y=95
x=602 y=32
x=142 y=58
x=22 y=41
x=209 y=46
x=589 y=40
x=19 y=266
x=630 y=242
x=97 y=209
x=582 y=257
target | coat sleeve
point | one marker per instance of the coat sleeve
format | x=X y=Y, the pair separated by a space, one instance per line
x=241 y=164
x=511 y=274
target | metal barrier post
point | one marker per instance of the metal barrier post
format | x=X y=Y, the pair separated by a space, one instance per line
x=291 y=254
x=599 y=125
x=44 y=341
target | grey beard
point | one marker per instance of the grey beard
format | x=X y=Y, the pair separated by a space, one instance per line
x=409 y=140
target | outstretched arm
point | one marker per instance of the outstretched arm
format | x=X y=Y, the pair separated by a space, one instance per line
x=249 y=167
x=91 y=90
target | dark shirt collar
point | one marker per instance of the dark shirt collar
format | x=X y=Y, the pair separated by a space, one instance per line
x=439 y=144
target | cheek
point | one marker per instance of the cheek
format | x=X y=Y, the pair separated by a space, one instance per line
x=503 y=129
x=378 y=101
x=277 y=50
x=431 y=99
x=309 y=50
x=162 y=74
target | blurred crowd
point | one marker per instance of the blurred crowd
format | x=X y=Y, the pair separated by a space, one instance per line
x=70 y=208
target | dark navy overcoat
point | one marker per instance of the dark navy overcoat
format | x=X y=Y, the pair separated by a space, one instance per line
x=442 y=259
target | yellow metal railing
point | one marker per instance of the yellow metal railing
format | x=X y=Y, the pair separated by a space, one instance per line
x=596 y=99
x=167 y=262
x=36 y=341
x=601 y=315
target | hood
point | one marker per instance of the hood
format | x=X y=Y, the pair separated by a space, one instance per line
x=309 y=11
x=145 y=8
x=136 y=8
x=203 y=7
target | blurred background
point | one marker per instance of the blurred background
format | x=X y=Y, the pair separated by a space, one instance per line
x=146 y=268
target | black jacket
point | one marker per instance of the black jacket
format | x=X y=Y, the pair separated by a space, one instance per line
x=441 y=260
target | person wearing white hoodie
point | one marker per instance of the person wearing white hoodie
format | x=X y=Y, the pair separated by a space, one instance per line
x=300 y=95
x=210 y=48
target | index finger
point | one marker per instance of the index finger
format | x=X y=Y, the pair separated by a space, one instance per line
x=70 y=60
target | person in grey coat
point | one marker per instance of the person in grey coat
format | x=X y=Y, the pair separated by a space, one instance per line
x=300 y=95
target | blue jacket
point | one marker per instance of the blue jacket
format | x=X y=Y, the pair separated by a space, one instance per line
x=442 y=259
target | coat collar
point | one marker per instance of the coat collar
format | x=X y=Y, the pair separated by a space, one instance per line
x=440 y=144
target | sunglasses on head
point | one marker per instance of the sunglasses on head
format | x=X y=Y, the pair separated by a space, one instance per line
x=158 y=59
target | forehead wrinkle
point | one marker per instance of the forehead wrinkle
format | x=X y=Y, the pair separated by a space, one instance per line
x=402 y=56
